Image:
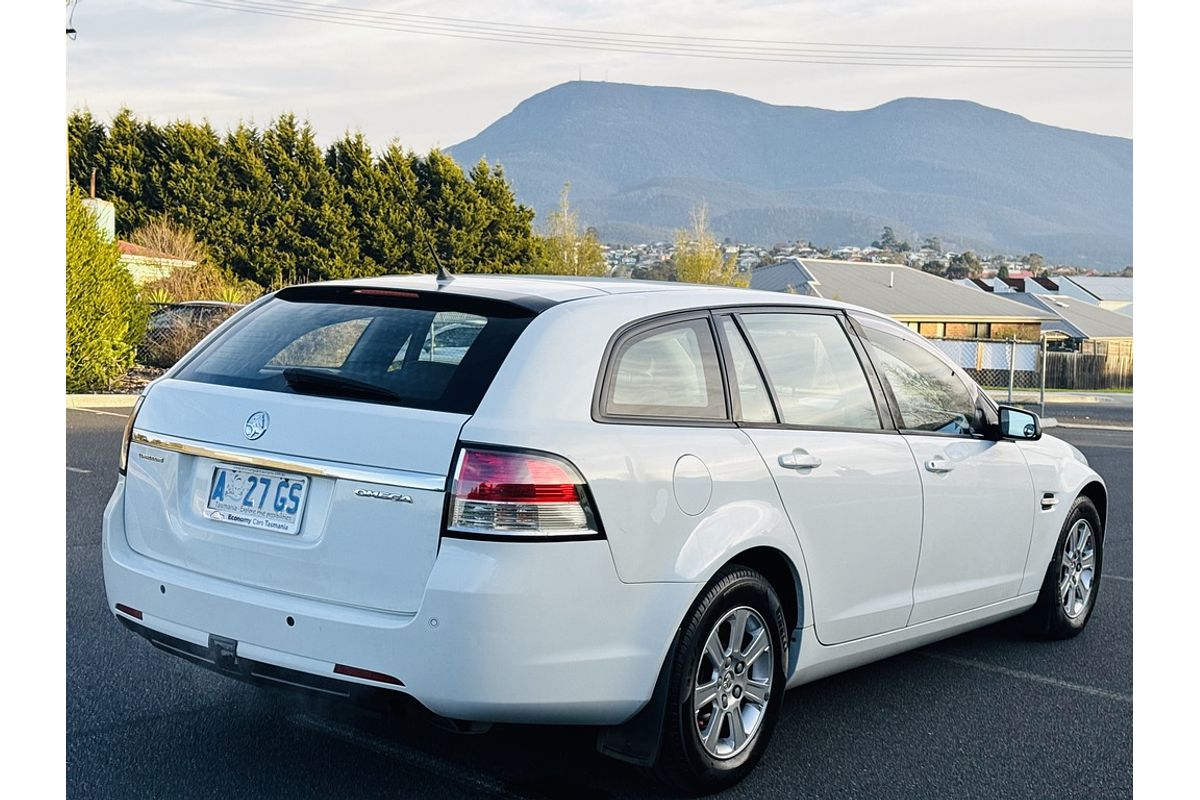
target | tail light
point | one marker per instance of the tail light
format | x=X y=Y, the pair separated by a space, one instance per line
x=503 y=493
x=127 y=436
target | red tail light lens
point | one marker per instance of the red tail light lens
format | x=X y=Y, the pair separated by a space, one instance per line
x=506 y=493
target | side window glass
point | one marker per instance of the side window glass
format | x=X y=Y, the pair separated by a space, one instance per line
x=930 y=396
x=748 y=383
x=670 y=371
x=450 y=336
x=814 y=370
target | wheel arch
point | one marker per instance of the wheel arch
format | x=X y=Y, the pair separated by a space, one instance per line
x=1096 y=492
x=781 y=573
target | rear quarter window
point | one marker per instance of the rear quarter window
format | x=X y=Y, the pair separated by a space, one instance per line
x=667 y=371
x=418 y=350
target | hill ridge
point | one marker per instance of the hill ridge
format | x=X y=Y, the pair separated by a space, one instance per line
x=638 y=157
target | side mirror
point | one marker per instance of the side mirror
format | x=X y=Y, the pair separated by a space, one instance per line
x=1017 y=423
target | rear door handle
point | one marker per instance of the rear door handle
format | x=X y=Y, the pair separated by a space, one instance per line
x=938 y=465
x=799 y=459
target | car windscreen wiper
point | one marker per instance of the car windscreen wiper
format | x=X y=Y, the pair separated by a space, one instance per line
x=308 y=380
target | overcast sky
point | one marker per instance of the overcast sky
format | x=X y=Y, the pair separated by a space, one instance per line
x=167 y=60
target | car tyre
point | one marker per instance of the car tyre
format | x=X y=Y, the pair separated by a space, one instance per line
x=1072 y=580
x=711 y=745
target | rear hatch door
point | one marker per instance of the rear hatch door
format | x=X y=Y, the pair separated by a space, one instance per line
x=305 y=448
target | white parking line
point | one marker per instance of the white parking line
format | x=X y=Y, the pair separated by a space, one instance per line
x=1118 y=578
x=418 y=759
x=1028 y=676
x=1085 y=427
x=98 y=411
x=79 y=471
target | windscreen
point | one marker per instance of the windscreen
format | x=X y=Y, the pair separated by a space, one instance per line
x=419 y=350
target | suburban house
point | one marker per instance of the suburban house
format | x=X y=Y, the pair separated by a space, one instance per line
x=142 y=264
x=930 y=305
x=1081 y=325
x=1011 y=284
x=145 y=265
x=1112 y=293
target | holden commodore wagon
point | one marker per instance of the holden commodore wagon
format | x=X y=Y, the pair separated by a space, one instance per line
x=649 y=508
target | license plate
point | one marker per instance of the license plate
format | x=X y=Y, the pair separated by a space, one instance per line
x=256 y=498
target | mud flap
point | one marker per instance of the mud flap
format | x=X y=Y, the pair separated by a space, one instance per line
x=638 y=740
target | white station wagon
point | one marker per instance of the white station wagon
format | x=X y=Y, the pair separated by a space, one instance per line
x=646 y=507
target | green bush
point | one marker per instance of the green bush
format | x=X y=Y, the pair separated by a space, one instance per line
x=105 y=319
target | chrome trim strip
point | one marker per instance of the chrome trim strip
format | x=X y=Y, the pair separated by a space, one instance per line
x=305 y=466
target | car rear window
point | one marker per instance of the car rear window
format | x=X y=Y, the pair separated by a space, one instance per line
x=414 y=349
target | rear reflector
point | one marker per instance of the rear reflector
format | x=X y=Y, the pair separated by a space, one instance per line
x=131 y=612
x=366 y=674
x=508 y=493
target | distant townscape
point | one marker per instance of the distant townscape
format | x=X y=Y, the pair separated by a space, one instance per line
x=653 y=260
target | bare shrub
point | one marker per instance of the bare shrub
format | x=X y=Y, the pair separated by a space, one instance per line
x=165 y=239
x=199 y=280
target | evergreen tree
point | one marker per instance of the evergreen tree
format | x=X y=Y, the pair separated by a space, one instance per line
x=964 y=265
x=452 y=211
x=353 y=167
x=272 y=208
x=247 y=246
x=934 y=268
x=85 y=149
x=312 y=227
x=399 y=247
x=888 y=240
x=507 y=244
x=191 y=184
x=126 y=175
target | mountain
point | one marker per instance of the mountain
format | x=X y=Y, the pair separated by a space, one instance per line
x=639 y=157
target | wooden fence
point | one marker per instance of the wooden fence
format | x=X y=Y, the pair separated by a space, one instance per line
x=1089 y=370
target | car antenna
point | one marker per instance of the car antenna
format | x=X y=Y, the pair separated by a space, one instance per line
x=443 y=275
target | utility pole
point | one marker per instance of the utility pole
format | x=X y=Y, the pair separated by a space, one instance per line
x=1012 y=365
x=1045 y=347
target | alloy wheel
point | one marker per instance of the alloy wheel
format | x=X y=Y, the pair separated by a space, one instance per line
x=733 y=683
x=1077 y=573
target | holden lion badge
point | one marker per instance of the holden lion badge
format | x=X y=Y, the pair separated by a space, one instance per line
x=257 y=424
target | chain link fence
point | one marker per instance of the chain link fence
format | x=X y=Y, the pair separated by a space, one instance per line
x=1009 y=365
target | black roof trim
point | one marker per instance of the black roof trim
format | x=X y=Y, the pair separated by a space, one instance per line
x=488 y=302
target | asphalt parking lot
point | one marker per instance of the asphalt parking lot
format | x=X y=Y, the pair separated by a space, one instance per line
x=987 y=714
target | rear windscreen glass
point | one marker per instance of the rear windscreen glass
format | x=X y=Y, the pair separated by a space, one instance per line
x=418 y=350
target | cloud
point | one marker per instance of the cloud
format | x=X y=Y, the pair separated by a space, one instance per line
x=170 y=60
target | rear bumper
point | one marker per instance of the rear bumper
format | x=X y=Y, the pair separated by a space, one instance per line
x=541 y=632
